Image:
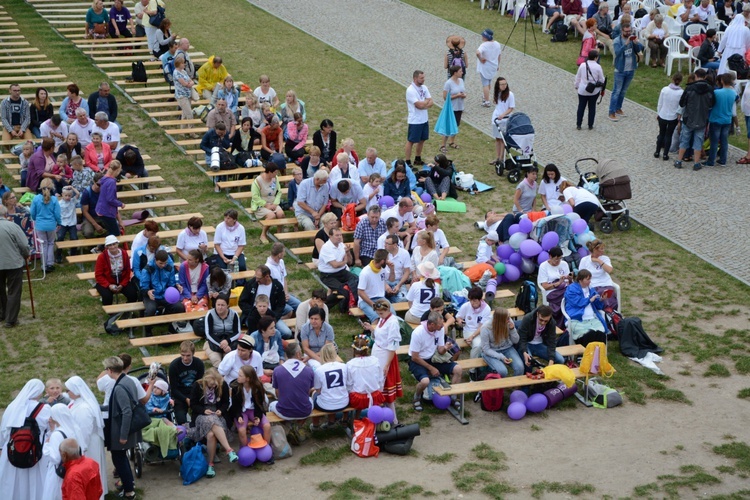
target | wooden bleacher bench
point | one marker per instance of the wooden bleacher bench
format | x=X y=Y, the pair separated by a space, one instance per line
x=127 y=238
x=275 y=419
x=243 y=195
x=146 y=205
x=162 y=319
x=90 y=258
x=281 y=179
x=140 y=193
x=171 y=338
x=298 y=235
x=165 y=359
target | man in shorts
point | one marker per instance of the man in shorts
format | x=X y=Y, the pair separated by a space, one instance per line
x=427 y=340
x=418 y=101
x=488 y=62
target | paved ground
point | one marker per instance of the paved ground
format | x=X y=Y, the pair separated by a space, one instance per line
x=701 y=211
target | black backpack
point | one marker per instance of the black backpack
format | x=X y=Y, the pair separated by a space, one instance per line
x=559 y=32
x=527 y=297
x=226 y=160
x=737 y=63
x=138 y=72
x=25 y=444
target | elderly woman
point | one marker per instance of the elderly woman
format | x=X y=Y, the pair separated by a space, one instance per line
x=227 y=92
x=71 y=103
x=600 y=267
x=584 y=202
x=97 y=21
x=655 y=35
x=347 y=146
x=290 y=106
x=549 y=188
x=162 y=38
x=193 y=276
x=266 y=197
x=314 y=335
x=271 y=139
x=505 y=104
x=325 y=139
x=98 y=154
x=327 y=222
x=585 y=309
x=229 y=242
x=113 y=273
x=221 y=328
x=296 y=138
x=343 y=170
x=107 y=207
x=85 y=410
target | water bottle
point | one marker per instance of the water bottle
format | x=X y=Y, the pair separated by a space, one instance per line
x=236 y=266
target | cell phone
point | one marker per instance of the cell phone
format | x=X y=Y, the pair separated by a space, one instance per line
x=633 y=37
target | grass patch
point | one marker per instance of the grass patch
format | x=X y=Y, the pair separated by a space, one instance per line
x=539 y=489
x=346 y=490
x=737 y=451
x=717 y=370
x=482 y=472
x=325 y=456
x=693 y=477
x=484 y=451
x=498 y=490
x=400 y=490
x=535 y=428
x=440 y=459
x=674 y=395
x=744 y=393
x=726 y=469
x=737 y=495
x=645 y=490
x=742 y=365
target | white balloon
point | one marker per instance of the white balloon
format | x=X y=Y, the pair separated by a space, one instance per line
x=556 y=210
x=572 y=216
x=516 y=239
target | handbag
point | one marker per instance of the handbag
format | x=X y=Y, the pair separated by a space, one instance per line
x=100 y=28
x=140 y=418
x=60 y=468
x=157 y=18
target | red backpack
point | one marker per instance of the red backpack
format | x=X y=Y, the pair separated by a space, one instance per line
x=25 y=445
x=492 y=400
x=349 y=219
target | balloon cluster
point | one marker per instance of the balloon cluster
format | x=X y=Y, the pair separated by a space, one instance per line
x=380 y=415
x=520 y=403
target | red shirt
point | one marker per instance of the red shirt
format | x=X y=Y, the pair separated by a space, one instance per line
x=82 y=480
x=273 y=138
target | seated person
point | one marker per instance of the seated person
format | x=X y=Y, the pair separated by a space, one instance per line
x=585 y=309
x=311 y=201
x=343 y=170
x=347 y=146
x=109 y=130
x=266 y=197
x=221 y=328
x=249 y=405
x=471 y=316
x=553 y=276
x=437 y=304
x=296 y=138
x=573 y=10
x=54 y=128
x=422 y=292
x=399 y=269
x=193 y=278
x=243 y=141
x=707 y=53
x=192 y=238
x=219 y=283
x=486 y=252
x=327 y=222
x=83 y=176
x=292 y=188
x=143 y=255
x=82 y=127
x=92 y=223
x=271 y=139
x=427 y=340
x=311 y=163
x=397 y=184
x=404 y=212
x=498 y=339
x=132 y=163
x=113 y=273
x=538 y=337
x=442 y=247
x=425 y=251
x=155 y=279
x=293 y=382
x=392 y=225
x=97 y=154
x=212 y=72
x=265 y=93
x=228 y=93
x=216 y=137
x=244 y=355
x=275 y=263
x=314 y=335
x=222 y=114
x=97 y=20
x=601 y=269
x=331 y=381
x=347 y=191
x=554 y=12
x=333 y=268
x=438 y=183
x=373 y=190
x=183 y=372
x=317 y=299
x=159 y=402
x=264 y=285
x=269 y=345
x=372 y=284
x=119 y=19
x=229 y=243
x=290 y=106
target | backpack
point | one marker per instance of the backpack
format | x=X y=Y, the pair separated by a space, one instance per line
x=737 y=63
x=349 y=219
x=534 y=8
x=595 y=358
x=613 y=319
x=527 y=297
x=457 y=59
x=169 y=71
x=640 y=13
x=559 y=32
x=25 y=444
x=226 y=160
x=138 y=72
x=363 y=439
x=492 y=400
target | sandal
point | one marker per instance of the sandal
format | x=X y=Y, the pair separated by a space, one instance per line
x=443 y=150
x=417 y=404
x=744 y=161
x=454 y=145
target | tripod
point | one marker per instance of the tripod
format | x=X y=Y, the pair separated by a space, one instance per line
x=517 y=16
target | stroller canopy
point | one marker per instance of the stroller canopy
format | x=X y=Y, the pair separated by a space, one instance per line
x=519 y=124
x=610 y=169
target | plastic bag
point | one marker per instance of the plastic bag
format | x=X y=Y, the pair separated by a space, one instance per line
x=194 y=465
x=363 y=440
x=281 y=447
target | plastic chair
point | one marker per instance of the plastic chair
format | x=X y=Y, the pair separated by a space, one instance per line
x=650 y=5
x=694 y=29
x=646 y=49
x=519 y=6
x=673 y=27
x=694 y=57
x=635 y=5
x=678 y=49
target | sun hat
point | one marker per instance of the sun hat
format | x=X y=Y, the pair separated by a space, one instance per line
x=111 y=240
x=451 y=40
x=257 y=441
x=488 y=34
x=246 y=342
x=428 y=270
x=160 y=384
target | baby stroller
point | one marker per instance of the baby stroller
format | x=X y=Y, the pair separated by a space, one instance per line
x=562 y=226
x=518 y=135
x=609 y=181
x=149 y=452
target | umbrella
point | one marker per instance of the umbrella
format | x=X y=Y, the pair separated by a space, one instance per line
x=446 y=122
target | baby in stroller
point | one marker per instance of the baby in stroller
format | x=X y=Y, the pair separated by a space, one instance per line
x=159 y=403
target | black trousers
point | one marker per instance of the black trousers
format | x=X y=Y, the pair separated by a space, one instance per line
x=583 y=101
x=336 y=281
x=664 y=139
x=130 y=292
x=11 y=282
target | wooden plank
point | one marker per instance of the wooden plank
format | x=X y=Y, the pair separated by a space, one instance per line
x=24 y=57
x=502 y=383
x=163 y=319
x=89 y=258
x=170 y=123
x=167 y=358
x=243 y=195
x=172 y=338
x=127 y=238
x=134 y=181
x=126 y=195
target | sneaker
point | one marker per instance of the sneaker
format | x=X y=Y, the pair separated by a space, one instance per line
x=697 y=167
x=232 y=457
x=721 y=165
x=150 y=197
x=620 y=112
x=315 y=428
x=578 y=127
x=216 y=188
x=210 y=472
x=486 y=104
x=546 y=31
x=418 y=162
x=614 y=118
x=677 y=164
x=95 y=250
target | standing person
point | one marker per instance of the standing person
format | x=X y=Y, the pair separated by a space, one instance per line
x=14 y=481
x=62 y=425
x=454 y=87
x=151 y=10
x=108 y=204
x=505 y=104
x=266 y=197
x=120 y=439
x=455 y=55
x=626 y=50
x=588 y=42
x=418 y=101
x=736 y=39
x=83 y=479
x=387 y=336
x=588 y=73
x=183 y=85
x=16 y=115
x=488 y=62
x=45 y=211
x=696 y=101
x=14 y=251
x=720 y=119
x=183 y=372
x=667 y=115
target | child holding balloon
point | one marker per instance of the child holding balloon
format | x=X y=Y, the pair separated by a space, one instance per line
x=364 y=377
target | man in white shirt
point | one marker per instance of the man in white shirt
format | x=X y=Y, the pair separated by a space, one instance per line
x=392 y=225
x=333 y=268
x=426 y=340
x=83 y=127
x=245 y=355
x=418 y=101
x=372 y=284
x=488 y=62
x=56 y=129
x=109 y=130
x=275 y=263
x=399 y=269
x=403 y=212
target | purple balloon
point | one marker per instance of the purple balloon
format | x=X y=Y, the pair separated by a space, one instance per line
x=441 y=402
x=512 y=273
x=542 y=257
x=536 y=403
x=518 y=397
x=171 y=295
x=550 y=240
x=516 y=411
x=505 y=251
x=500 y=279
x=516 y=259
x=181 y=433
x=387 y=201
x=388 y=415
x=525 y=225
x=530 y=248
x=579 y=226
x=513 y=229
x=246 y=456
x=567 y=208
x=375 y=414
x=583 y=251
x=426 y=197
x=264 y=454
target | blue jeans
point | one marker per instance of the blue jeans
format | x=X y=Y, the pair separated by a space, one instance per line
x=540 y=351
x=399 y=297
x=622 y=82
x=372 y=316
x=719 y=133
x=291 y=305
x=498 y=366
x=283 y=330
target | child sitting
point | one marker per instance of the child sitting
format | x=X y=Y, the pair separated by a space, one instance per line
x=68 y=204
x=23 y=159
x=486 y=250
x=249 y=405
x=83 y=176
x=471 y=315
x=331 y=384
x=62 y=169
x=159 y=402
x=373 y=190
x=292 y=188
x=55 y=394
x=364 y=377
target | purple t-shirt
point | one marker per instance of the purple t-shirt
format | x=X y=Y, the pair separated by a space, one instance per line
x=121 y=17
x=294 y=379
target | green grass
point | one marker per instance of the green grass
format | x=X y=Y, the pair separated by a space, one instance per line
x=744 y=393
x=346 y=490
x=400 y=490
x=440 y=459
x=717 y=370
x=326 y=456
x=576 y=489
x=736 y=451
